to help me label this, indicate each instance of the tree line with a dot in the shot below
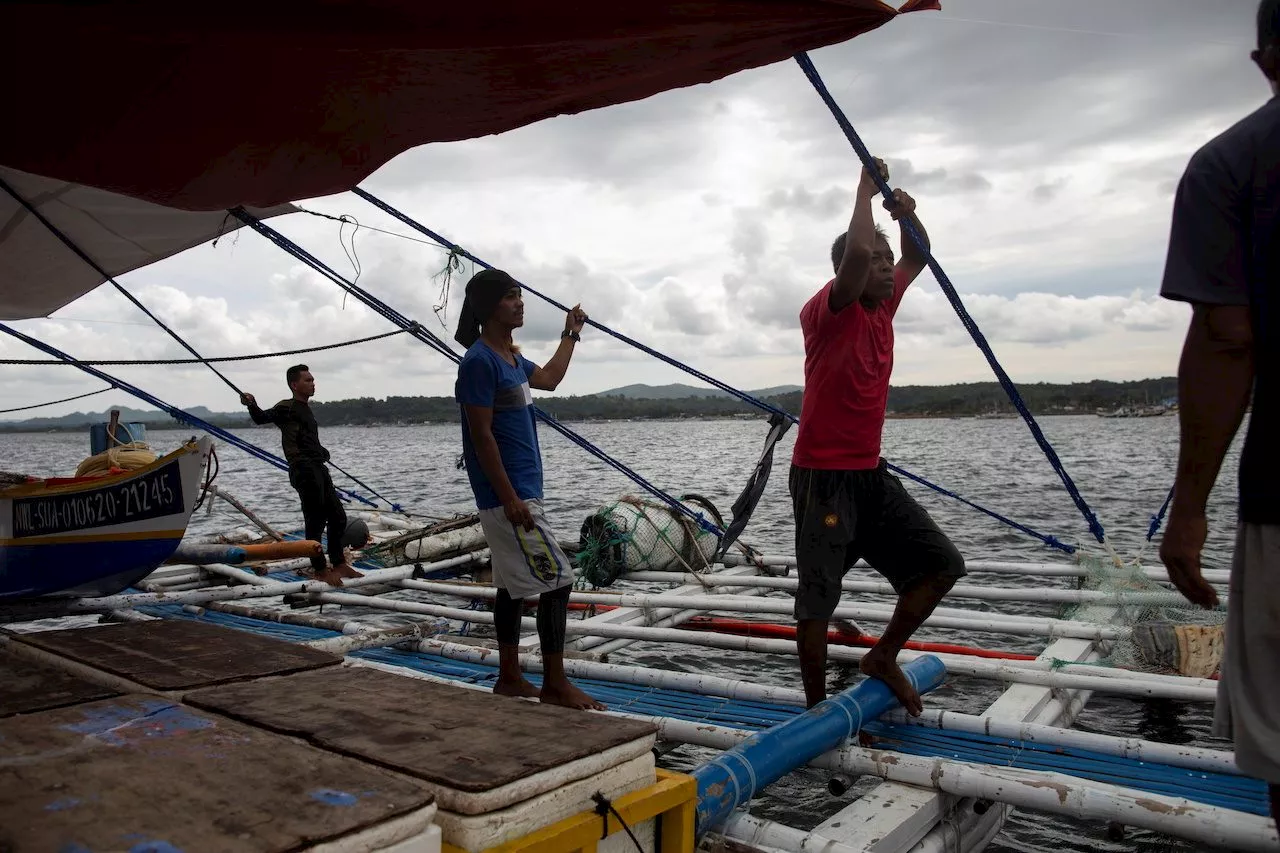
(971, 399)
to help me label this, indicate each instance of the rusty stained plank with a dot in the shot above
(27, 686)
(144, 772)
(462, 739)
(178, 654)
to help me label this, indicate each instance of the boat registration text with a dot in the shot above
(155, 494)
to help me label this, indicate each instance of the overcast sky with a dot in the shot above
(1041, 139)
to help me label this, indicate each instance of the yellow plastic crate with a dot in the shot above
(672, 800)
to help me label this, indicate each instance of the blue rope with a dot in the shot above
(697, 517)
(1158, 518)
(172, 411)
(70, 244)
(395, 507)
(426, 336)
(948, 289)
(645, 348)
(1051, 541)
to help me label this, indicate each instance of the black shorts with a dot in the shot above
(842, 516)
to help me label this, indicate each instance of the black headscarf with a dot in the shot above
(484, 292)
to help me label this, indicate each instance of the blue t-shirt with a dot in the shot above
(486, 379)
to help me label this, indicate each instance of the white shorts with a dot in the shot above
(1248, 708)
(525, 562)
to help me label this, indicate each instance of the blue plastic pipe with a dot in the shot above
(740, 773)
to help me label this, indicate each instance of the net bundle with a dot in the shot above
(635, 535)
(1169, 635)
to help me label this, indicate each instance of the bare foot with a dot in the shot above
(329, 576)
(522, 688)
(887, 670)
(564, 693)
(342, 570)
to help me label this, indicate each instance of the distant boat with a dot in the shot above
(90, 536)
(1136, 412)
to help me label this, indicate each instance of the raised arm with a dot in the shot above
(859, 244)
(270, 416)
(549, 376)
(911, 261)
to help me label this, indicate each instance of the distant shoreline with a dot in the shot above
(170, 427)
(682, 402)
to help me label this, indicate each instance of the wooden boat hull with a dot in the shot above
(98, 536)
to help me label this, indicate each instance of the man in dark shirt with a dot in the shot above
(1224, 259)
(300, 437)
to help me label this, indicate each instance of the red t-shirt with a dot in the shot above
(848, 358)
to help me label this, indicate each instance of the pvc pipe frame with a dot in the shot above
(743, 770)
(998, 567)
(255, 588)
(1188, 757)
(1121, 683)
(1036, 790)
(1024, 626)
(956, 663)
(982, 593)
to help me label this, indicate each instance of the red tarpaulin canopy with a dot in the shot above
(208, 107)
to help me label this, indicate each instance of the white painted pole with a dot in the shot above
(662, 617)
(354, 642)
(983, 593)
(219, 492)
(758, 832)
(266, 589)
(1168, 687)
(999, 567)
(973, 622)
(707, 685)
(1174, 755)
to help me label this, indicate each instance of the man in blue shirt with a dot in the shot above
(1224, 259)
(504, 464)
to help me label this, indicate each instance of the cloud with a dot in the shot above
(1042, 142)
(1048, 191)
(937, 181)
(825, 204)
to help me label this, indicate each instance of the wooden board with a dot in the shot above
(178, 654)
(145, 773)
(463, 739)
(27, 686)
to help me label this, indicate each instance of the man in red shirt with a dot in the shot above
(847, 505)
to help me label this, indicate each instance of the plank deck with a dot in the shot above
(178, 654)
(141, 772)
(457, 738)
(27, 686)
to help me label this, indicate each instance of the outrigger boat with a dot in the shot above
(209, 681)
(89, 536)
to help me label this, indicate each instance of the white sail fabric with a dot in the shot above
(39, 274)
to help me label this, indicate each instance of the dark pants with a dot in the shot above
(844, 515)
(320, 507)
(553, 617)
